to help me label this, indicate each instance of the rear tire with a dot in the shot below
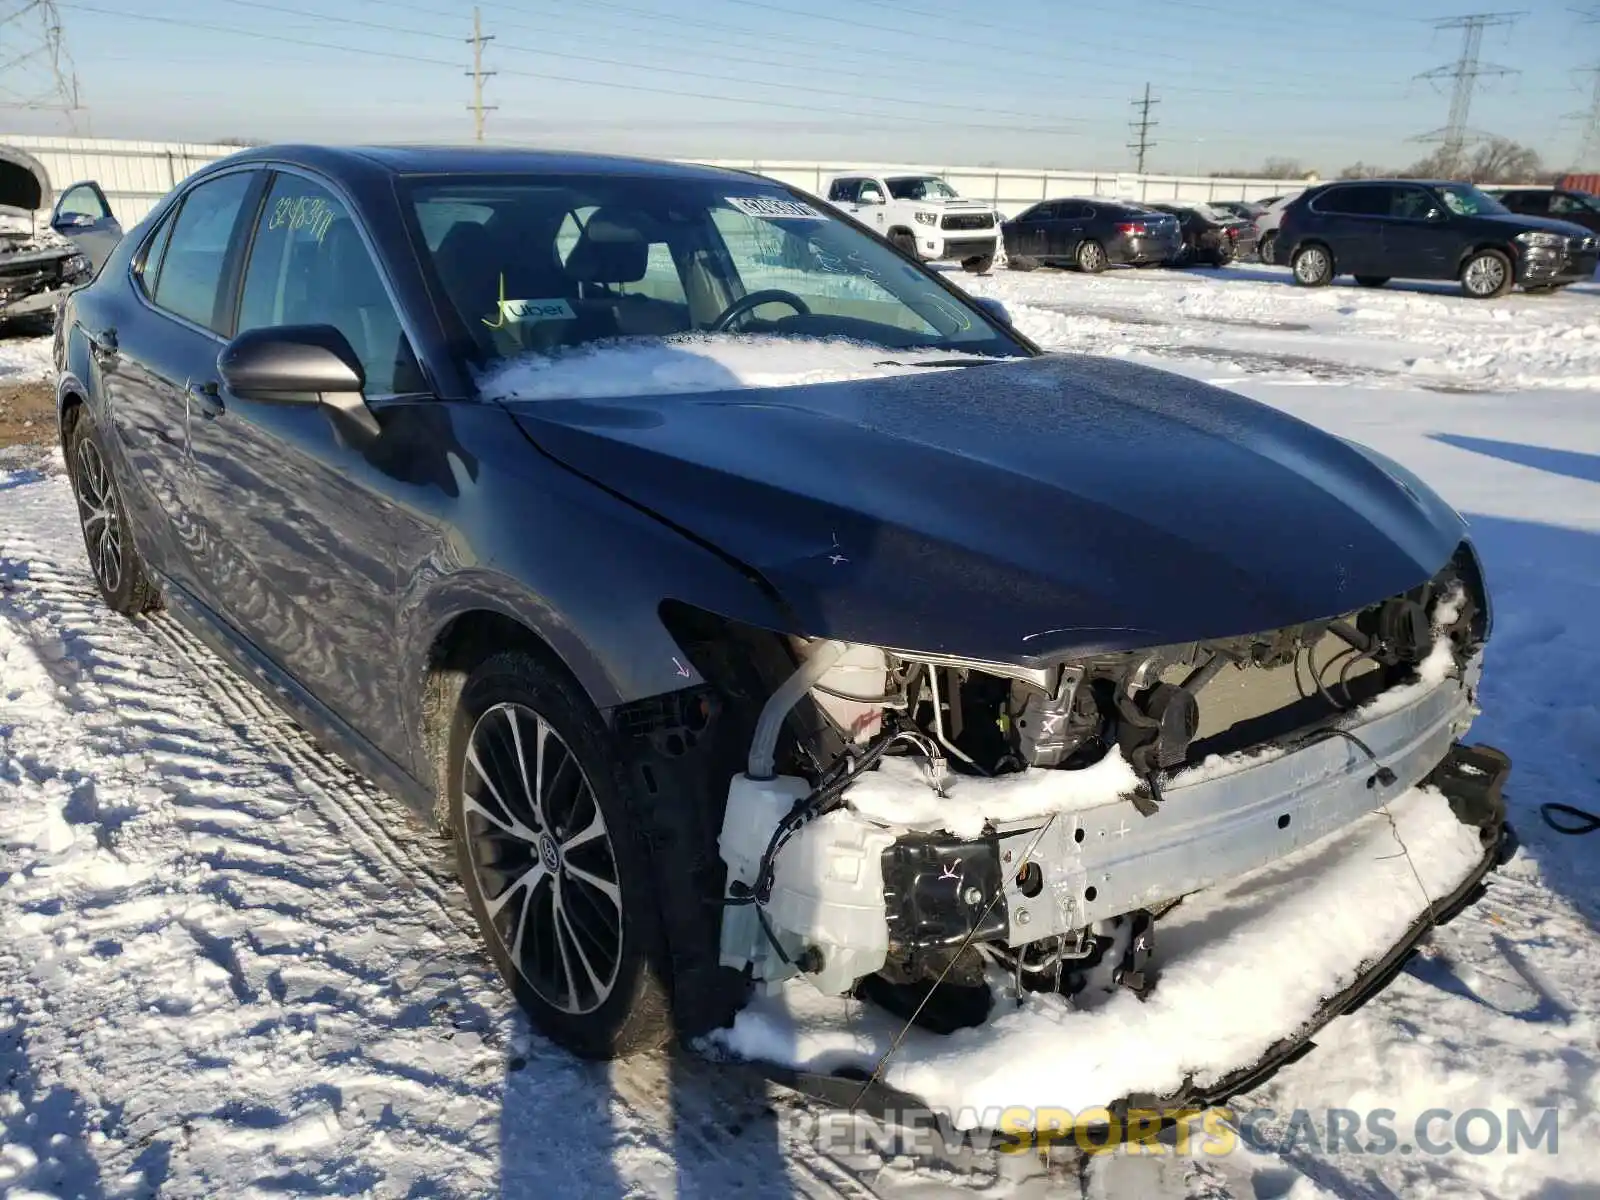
(125, 584)
(1091, 257)
(981, 265)
(1312, 265)
(1265, 248)
(1372, 281)
(550, 851)
(1487, 275)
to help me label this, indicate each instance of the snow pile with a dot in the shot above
(1242, 965)
(25, 359)
(703, 363)
(901, 793)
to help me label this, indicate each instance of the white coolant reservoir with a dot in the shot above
(755, 806)
(851, 693)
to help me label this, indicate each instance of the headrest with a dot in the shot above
(611, 249)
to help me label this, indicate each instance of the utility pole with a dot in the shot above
(1142, 127)
(36, 71)
(1466, 71)
(478, 74)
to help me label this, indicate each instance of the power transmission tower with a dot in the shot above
(1466, 71)
(1589, 139)
(1142, 127)
(36, 71)
(478, 107)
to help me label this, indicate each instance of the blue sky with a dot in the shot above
(1027, 82)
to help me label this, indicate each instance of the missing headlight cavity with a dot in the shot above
(907, 821)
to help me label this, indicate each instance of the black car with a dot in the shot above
(1379, 230)
(1090, 235)
(1210, 238)
(1562, 204)
(457, 455)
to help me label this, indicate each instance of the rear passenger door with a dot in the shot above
(304, 525)
(1064, 230)
(148, 364)
(1352, 217)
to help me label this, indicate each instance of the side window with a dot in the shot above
(844, 190)
(83, 201)
(192, 266)
(1365, 201)
(148, 267)
(1087, 212)
(1043, 212)
(571, 227)
(1410, 204)
(1558, 204)
(309, 266)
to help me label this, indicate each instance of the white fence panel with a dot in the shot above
(134, 175)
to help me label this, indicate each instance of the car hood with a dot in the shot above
(1018, 510)
(1523, 223)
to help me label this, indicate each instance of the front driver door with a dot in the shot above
(83, 217)
(305, 519)
(1420, 239)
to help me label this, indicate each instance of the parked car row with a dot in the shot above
(1093, 234)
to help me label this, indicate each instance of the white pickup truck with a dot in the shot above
(922, 215)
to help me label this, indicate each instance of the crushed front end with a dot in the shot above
(950, 833)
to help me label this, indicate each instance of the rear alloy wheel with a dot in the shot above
(1264, 250)
(1372, 280)
(553, 864)
(1312, 266)
(124, 583)
(1487, 274)
(1091, 258)
(980, 265)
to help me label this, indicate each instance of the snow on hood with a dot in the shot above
(1229, 988)
(702, 363)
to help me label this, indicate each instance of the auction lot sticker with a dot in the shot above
(771, 206)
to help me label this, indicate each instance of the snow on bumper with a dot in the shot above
(1219, 822)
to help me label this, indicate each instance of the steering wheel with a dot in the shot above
(745, 304)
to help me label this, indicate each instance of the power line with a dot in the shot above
(476, 41)
(1589, 137)
(36, 69)
(1466, 71)
(648, 89)
(1142, 127)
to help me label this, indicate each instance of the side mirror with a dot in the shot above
(873, 198)
(995, 309)
(1435, 214)
(299, 364)
(72, 220)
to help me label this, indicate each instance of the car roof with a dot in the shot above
(480, 160)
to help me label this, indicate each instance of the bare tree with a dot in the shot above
(1493, 160)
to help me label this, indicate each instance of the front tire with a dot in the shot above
(1487, 275)
(119, 572)
(1091, 257)
(1372, 281)
(1312, 266)
(904, 242)
(978, 266)
(549, 849)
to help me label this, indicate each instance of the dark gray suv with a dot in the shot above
(1378, 230)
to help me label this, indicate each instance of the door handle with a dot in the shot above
(207, 398)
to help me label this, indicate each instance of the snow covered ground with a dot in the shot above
(227, 967)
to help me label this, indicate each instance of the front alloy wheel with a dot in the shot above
(551, 851)
(1487, 275)
(542, 859)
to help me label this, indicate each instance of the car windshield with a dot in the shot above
(921, 187)
(541, 264)
(1467, 201)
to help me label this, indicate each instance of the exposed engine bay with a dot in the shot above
(36, 263)
(1093, 794)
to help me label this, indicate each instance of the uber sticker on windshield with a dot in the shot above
(537, 310)
(771, 206)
